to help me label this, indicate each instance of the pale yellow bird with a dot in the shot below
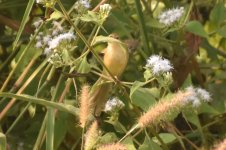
(115, 59)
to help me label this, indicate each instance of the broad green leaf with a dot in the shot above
(222, 31)
(2, 141)
(187, 82)
(129, 143)
(192, 117)
(24, 21)
(147, 74)
(108, 138)
(91, 17)
(153, 23)
(60, 129)
(136, 85)
(196, 28)
(218, 14)
(149, 145)
(166, 138)
(206, 108)
(118, 126)
(84, 67)
(143, 98)
(56, 15)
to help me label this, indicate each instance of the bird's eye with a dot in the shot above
(114, 35)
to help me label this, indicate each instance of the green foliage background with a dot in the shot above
(195, 45)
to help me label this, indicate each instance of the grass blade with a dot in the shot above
(62, 107)
(24, 21)
(2, 141)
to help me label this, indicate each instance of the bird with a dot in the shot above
(115, 58)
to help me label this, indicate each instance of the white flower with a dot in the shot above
(84, 3)
(170, 16)
(197, 96)
(46, 39)
(105, 9)
(47, 51)
(56, 41)
(113, 104)
(39, 1)
(204, 95)
(158, 64)
(37, 23)
(57, 25)
(38, 44)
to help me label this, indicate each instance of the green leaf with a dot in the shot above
(90, 16)
(187, 82)
(218, 14)
(149, 145)
(166, 138)
(142, 97)
(129, 143)
(206, 108)
(192, 117)
(60, 129)
(196, 28)
(23, 22)
(2, 141)
(60, 106)
(222, 31)
(108, 138)
(56, 15)
(84, 67)
(147, 74)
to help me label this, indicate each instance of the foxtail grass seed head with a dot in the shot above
(85, 106)
(158, 65)
(114, 146)
(171, 16)
(113, 104)
(91, 136)
(220, 146)
(162, 110)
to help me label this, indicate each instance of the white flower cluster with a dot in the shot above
(170, 16)
(37, 23)
(52, 39)
(113, 104)
(197, 96)
(105, 9)
(84, 3)
(40, 1)
(56, 41)
(158, 64)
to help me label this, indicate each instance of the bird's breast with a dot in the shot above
(116, 58)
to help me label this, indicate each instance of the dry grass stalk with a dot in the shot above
(91, 136)
(113, 146)
(163, 109)
(85, 106)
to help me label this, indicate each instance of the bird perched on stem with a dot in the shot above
(115, 59)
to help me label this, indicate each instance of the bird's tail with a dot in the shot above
(99, 97)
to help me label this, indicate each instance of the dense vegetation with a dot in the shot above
(112, 74)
